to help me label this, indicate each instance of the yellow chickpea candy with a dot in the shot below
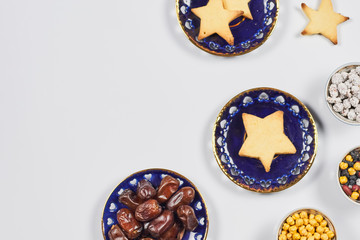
(324, 237)
(311, 216)
(302, 227)
(343, 179)
(293, 229)
(343, 165)
(310, 229)
(317, 236)
(309, 235)
(303, 215)
(357, 166)
(326, 229)
(303, 232)
(283, 232)
(306, 221)
(289, 236)
(299, 222)
(319, 218)
(290, 221)
(330, 234)
(351, 171)
(320, 229)
(282, 237)
(313, 222)
(296, 216)
(296, 236)
(323, 223)
(285, 226)
(349, 158)
(355, 195)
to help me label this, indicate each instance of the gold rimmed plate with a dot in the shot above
(154, 176)
(248, 34)
(230, 134)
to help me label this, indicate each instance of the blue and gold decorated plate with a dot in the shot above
(155, 176)
(246, 123)
(248, 34)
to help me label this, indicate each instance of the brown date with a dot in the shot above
(128, 198)
(182, 197)
(168, 186)
(115, 233)
(161, 224)
(187, 216)
(172, 232)
(145, 190)
(128, 223)
(148, 210)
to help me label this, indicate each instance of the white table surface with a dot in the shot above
(92, 91)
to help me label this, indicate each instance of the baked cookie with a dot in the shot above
(323, 21)
(241, 5)
(265, 138)
(215, 19)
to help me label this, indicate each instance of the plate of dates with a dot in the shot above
(155, 204)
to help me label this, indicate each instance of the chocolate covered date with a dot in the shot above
(148, 210)
(168, 186)
(128, 223)
(182, 197)
(161, 224)
(130, 199)
(115, 233)
(145, 190)
(187, 216)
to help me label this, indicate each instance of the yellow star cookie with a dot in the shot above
(323, 21)
(265, 138)
(241, 5)
(216, 19)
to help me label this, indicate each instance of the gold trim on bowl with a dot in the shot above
(309, 211)
(266, 37)
(164, 170)
(281, 187)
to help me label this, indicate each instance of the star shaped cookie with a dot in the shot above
(323, 21)
(215, 19)
(265, 138)
(240, 5)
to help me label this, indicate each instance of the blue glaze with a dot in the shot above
(248, 34)
(249, 171)
(155, 178)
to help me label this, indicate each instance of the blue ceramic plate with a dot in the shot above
(229, 135)
(248, 34)
(154, 176)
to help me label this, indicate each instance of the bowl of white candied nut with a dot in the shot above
(343, 93)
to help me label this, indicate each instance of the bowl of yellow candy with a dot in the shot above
(306, 224)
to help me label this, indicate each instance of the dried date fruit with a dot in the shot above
(182, 197)
(172, 232)
(187, 216)
(128, 223)
(145, 190)
(161, 224)
(115, 233)
(129, 199)
(148, 210)
(167, 188)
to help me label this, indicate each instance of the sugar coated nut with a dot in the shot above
(346, 190)
(351, 171)
(290, 221)
(343, 179)
(349, 158)
(355, 195)
(357, 166)
(343, 165)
